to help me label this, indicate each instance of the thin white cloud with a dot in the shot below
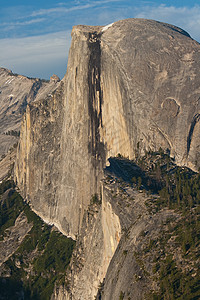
(23, 23)
(31, 56)
(100, 2)
(44, 12)
(63, 9)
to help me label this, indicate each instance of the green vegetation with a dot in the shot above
(175, 284)
(42, 257)
(95, 199)
(179, 189)
(13, 133)
(11, 206)
(121, 296)
(176, 188)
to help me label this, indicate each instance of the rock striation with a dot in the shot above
(38, 166)
(104, 224)
(16, 91)
(130, 87)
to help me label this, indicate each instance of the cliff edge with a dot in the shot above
(16, 91)
(130, 87)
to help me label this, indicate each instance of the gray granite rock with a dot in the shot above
(130, 87)
(16, 91)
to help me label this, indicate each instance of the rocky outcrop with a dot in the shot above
(7, 164)
(54, 78)
(14, 237)
(108, 261)
(130, 242)
(130, 87)
(16, 91)
(38, 159)
(128, 275)
(105, 222)
(158, 87)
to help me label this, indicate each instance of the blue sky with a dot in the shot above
(35, 35)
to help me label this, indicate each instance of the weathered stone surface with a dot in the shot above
(103, 226)
(14, 237)
(16, 91)
(153, 71)
(37, 170)
(113, 233)
(130, 87)
(7, 142)
(126, 273)
(7, 164)
(54, 78)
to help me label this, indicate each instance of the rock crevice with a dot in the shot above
(127, 90)
(195, 119)
(95, 99)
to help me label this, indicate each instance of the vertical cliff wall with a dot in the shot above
(37, 164)
(83, 153)
(131, 86)
(96, 244)
(103, 225)
(16, 91)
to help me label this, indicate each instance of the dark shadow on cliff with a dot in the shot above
(124, 168)
(132, 173)
(13, 289)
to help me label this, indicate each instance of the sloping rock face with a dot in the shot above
(7, 164)
(130, 87)
(126, 276)
(151, 70)
(15, 236)
(16, 91)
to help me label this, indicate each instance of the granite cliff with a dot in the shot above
(16, 91)
(140, 239)
(132, 243)
(130, 87)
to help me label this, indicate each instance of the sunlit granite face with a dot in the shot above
(130, 87)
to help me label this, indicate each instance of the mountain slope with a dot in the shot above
(33, 255)
(140, 240)
(158, 256)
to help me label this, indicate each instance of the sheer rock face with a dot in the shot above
(102, 228)
(16, 91)
(130, 87)
(37, 167)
